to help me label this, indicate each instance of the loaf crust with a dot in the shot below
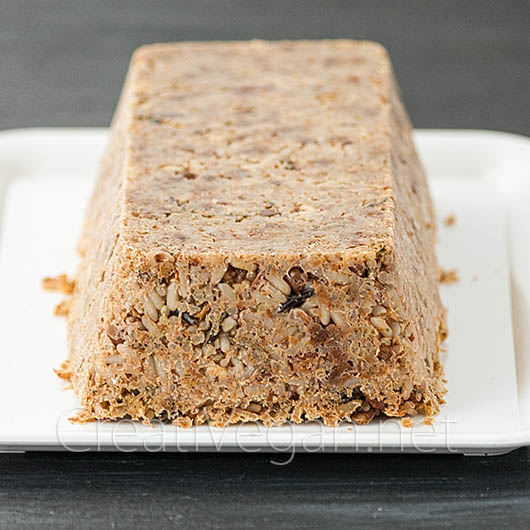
(259, 244)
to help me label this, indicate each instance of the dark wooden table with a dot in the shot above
(460, 64)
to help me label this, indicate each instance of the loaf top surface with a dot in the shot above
(258, 148)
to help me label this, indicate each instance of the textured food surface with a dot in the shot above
(260, 243)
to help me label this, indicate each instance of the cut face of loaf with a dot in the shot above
(260, 243)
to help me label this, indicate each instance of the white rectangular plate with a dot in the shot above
(46, 176)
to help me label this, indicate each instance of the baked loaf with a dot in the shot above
(259, 244)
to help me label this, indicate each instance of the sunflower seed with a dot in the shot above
(380, 324)
(227, 292)
(325, 315)
(224, 343)
(228, 324)
(378, 310)
(157, 300)
(171, 297)
(280, 284)
(150, 309)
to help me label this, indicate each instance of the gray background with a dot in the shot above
(460, 64)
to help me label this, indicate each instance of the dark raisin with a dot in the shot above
(234, 275)
(385, 352)
(114, 334)
(416, 396)
(365, 407)
(297, 279)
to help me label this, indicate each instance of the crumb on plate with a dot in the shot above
(59, 284)
(450, 220)
(450, 276)
(64, 371)
(62, 309)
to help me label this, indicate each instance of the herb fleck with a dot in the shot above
(188, 319)
(296, 299)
